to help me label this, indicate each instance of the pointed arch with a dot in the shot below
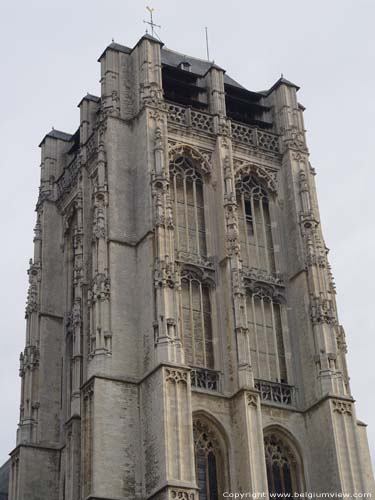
(211, 456)
(284, 464)
(244, 168)
(201, 158)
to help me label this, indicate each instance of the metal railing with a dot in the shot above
(203, 378)
(276, 392)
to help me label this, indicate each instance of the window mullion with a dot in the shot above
(255, 230)
(263, 224)
(196, 217)
(245, 229)
(265, 339)
(203, 326)
(192, 322)
(256, 335)
(186, 216)
(275, 343)
(177, 232)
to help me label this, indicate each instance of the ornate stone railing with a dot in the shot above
(188, 117)
(202, 378)
(275, 392)
(243, 133)
(256, 137)
(246, 134)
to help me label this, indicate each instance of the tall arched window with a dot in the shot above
(196, 327)
(209, 461)
(284, 471)
(254, 225)
(188, 207)
(266, 336)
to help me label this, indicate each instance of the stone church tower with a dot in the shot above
(182, 335)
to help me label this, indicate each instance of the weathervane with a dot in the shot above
(151, 22)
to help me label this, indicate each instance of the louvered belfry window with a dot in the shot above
(196, 322)
(186, 188)
(254, 225)
(266, 336)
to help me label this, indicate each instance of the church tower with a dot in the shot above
(182, 336)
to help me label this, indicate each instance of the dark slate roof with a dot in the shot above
(282, 81)
(116, 46)
(89, 97)
(198, 66)
(57, 134)
(147, 36)
(4, 480)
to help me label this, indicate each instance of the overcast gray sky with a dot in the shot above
(327, 47)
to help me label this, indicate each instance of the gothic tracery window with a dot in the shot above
(266, 336)
(209, 461)
(254, 224)
(196, 327)
(188, 207)
(283, 467)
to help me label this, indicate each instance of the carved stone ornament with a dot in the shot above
(175, 375)
(100, 289)
(342, 407)
(99, 226)
(34, 273)
(165, 275)
(252, 400)
(29, 359)
(322, 310)
(263, 276)
(76, 313)
(295, 139)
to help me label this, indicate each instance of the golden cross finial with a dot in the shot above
(151, 22)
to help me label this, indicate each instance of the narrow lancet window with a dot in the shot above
(209, 461)
(254, 225)
(188, 208)
(196, 322)
(266, 337)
